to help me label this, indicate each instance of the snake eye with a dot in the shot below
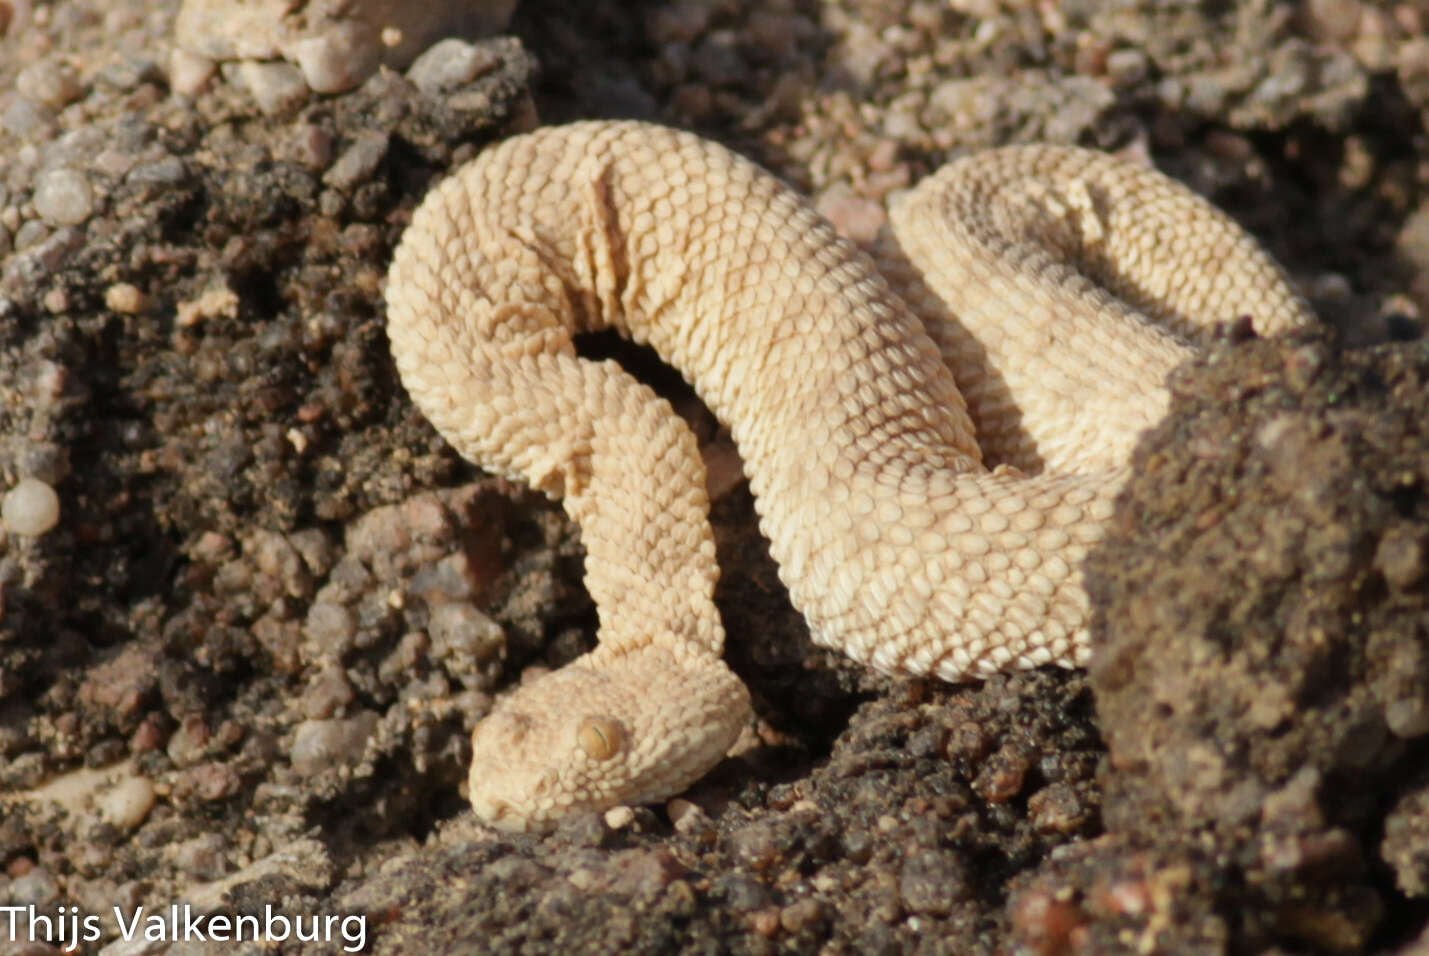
(600, 737)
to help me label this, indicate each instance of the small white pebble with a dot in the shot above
(63, 197)
(620, 817)
(128, 803)
(125, 297)
(31, 507)
(685, 815)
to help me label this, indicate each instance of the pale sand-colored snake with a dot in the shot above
(1059, 285)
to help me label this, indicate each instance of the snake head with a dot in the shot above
(610, 728)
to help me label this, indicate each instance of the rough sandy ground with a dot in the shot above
(248, 657)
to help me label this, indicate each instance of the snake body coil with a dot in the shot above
(897, 544)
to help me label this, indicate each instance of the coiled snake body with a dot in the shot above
(1060, 286)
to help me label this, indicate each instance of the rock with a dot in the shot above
(337, 44)
(277, 87)
(449, 64)
(125, 297)
(1260, 669)
(359, 161)
(127, 803)
(855, 217)
(932, 881)
(30, 508)
(202, 857)
(339, 58)
(331, 627)
(327, 694)
(25, 119)
(63, 197)
(35, 888)
(320, 745)
(464, 639)
(190, 72)
(51, 82)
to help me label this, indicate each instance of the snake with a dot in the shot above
(934, 434)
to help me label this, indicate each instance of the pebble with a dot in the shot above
(1407, 717)
(854, 217)
(804, 914)
(215, 302)
(331, 627)
(1044, 923)
(716, 59)
(328, 693)
(1002, 777)
(127, 804)
(63, 197)
(359, 161)
(111, 162)
(190, 72)
(30, 233)
(30, 508)
(765, 922)
(640, 873)
(401, 536)
(25, 119)
(687, 816)
(35, 888)
(316, 549)
(202, 857)
(276, 87)
(756, 846)
(450, 579)
(129, 72)
(931, 881)
(169, 171)
(322, 744)
(187, 743)
(449, 64)
(1402, 557)
(277, 560)
(50, 82)
(678, 22)
(464, 638)
(1333, 21)
(619, 817)
(1126, 67)
(311, 145)
(1056, 809)
(340, 58)
(207, 782)
(124, 297)
(42, 257)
